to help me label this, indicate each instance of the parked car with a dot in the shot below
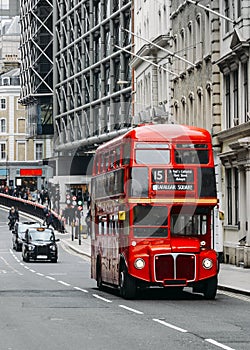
(40, 243)
(19, 231)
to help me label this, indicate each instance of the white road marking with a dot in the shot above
(132, 310)
(11, 267)
(170, 325)
(220, 345)
(50, 278)
(40, 274)
(64, 283)
(99, 297)
(81, 290)
(32, 271)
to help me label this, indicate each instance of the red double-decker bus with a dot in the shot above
(153, 190)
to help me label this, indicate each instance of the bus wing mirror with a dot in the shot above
(122, 215)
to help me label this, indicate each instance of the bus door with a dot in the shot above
(114, 247)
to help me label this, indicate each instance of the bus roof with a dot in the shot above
(162, 132)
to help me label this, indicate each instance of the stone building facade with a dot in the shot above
(21, 157)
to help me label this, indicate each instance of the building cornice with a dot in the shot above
(242, 130)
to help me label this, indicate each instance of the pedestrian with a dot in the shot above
(49, 218)
(45, 213)
(88, 221)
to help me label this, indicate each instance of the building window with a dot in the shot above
(239, 8)
(198, 38)
(39, 151)
(3, 151)
(190, 43)
(21, 125)
(207, 34)
(236, 196)
(236, 97)
(232, 180)
(227, 100)
(3, 103)
(227, 14)
(3, 125)
(21, 153)
(4, 5)
(245, 92)
(229, 196)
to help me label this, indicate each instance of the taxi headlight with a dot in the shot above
(53, 248)
(31, 247)
(207, 263)
(139, 263)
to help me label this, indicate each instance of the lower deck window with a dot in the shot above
(150, 221)
(188, 223)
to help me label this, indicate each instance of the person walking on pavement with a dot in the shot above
(49, 218)
(88, 220)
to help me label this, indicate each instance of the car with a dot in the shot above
(40, 243)
(19, 231)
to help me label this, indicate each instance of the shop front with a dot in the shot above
(31, 178)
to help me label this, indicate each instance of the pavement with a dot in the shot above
(231, 278)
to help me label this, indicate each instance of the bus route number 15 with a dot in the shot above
(158, 175)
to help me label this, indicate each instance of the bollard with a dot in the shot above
(79, 238)
(72, 230)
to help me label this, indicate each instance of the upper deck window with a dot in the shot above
(152, 153)
(191, 154)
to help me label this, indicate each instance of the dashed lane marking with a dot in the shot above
(81, 290)
(64, 283)
(101, 298)
(170, 325)
(132, 310)
(220, 345)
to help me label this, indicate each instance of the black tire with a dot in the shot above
(54, 260)
(210, 288)
(127, 284)
(99, 275)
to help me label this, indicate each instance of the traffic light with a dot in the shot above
(79, 198)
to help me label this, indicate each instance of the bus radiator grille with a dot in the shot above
(175, 267)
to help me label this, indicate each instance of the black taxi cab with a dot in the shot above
(39, 243)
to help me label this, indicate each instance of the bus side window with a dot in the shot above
(106, 161)
(117, 156)
(177, 157)
(112, 159)
(101, 163)
(126, 153)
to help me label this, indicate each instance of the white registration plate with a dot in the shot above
(42, 257)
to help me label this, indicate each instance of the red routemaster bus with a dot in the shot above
(152, 194)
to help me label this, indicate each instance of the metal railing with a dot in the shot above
(31, 208)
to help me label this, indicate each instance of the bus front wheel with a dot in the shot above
(127, 284)
(210, 288)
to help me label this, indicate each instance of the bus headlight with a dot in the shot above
(207, 263)
(139, 263)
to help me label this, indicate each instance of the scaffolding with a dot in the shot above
(36, 46)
